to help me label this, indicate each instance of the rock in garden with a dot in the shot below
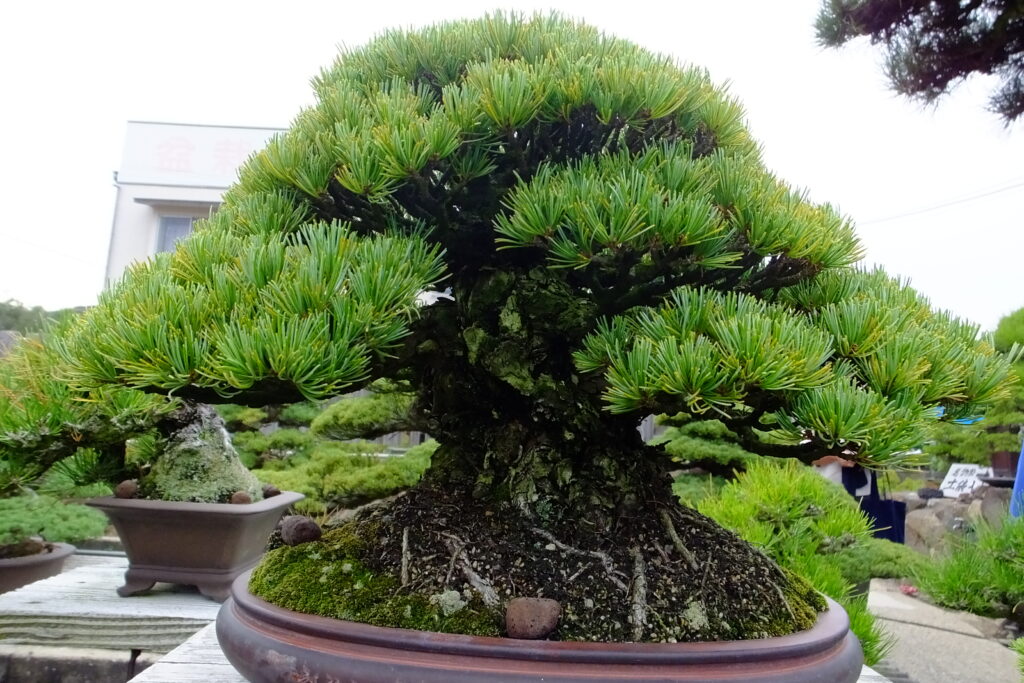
(240, 498)
(296, 529)
(928, 492)
(129, 488)
(269, 491)
(531, 618)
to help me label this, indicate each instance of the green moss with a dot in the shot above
(800, 594)
(328, 578)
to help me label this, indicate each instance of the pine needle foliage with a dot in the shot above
(52, 436)
(688, 277)
(1002, 428)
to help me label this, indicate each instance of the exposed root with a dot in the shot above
(606, 560)
(404, 574)
(638, 597)
(782, 597)
(666, 519)
(479, 584)
(456, 548)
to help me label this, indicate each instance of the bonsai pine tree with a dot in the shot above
(546, 233)
(932, 46)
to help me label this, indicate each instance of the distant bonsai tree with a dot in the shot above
(602, 242)
(1003, 426)
(932, 46)
(71, 442)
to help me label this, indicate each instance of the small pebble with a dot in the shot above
(240, 498)
(129, 488)
(531, 618)
(269, 491)
(296, 530)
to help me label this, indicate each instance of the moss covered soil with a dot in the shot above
(450, 547)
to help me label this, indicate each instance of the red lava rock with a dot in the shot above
(269, 491)
(531, 618)
(296, 530)
(240, 498)
(129, 488)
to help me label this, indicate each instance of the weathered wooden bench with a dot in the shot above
(74, 624)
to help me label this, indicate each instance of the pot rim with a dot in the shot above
(283, 499)
(58, 552)
(831, 627)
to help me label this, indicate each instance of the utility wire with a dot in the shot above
(962, 200)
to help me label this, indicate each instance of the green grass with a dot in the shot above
(1018, 647)
(984, 576)
(810, 526)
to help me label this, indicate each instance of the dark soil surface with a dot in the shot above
(635, 582)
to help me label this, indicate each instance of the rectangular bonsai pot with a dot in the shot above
(200, 544)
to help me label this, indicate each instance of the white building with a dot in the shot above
(171, 175)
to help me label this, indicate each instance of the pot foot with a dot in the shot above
(133, 586)
(218, 592)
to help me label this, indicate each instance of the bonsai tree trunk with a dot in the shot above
(536, 491)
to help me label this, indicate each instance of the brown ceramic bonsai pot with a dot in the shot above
(199, 544)
(268, 644)
(16, 572)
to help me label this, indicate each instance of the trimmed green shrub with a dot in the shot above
(364, 417)
(333, 476)
(241, 418)
(871, 558)
(300, 414)
(705, 443)
(1009, 331)
(804, 522)
(32, 515)
(985, 575)
(255, 449)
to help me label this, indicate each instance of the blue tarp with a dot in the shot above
(1017, 500)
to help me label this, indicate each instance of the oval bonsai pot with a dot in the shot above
(268, 644)
(198, 544)
(16, 572)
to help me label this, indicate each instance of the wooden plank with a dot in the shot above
(81, 608)
(199, 659)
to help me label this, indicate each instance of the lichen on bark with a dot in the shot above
(196, 462)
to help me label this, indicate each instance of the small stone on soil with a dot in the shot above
(269, 491)
(129, 488)
(240, 498)
(296, 530)
(531, 618)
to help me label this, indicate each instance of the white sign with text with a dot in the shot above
(963, 478)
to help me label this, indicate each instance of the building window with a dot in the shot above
(172, 229)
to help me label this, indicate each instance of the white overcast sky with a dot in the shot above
(73, 73)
